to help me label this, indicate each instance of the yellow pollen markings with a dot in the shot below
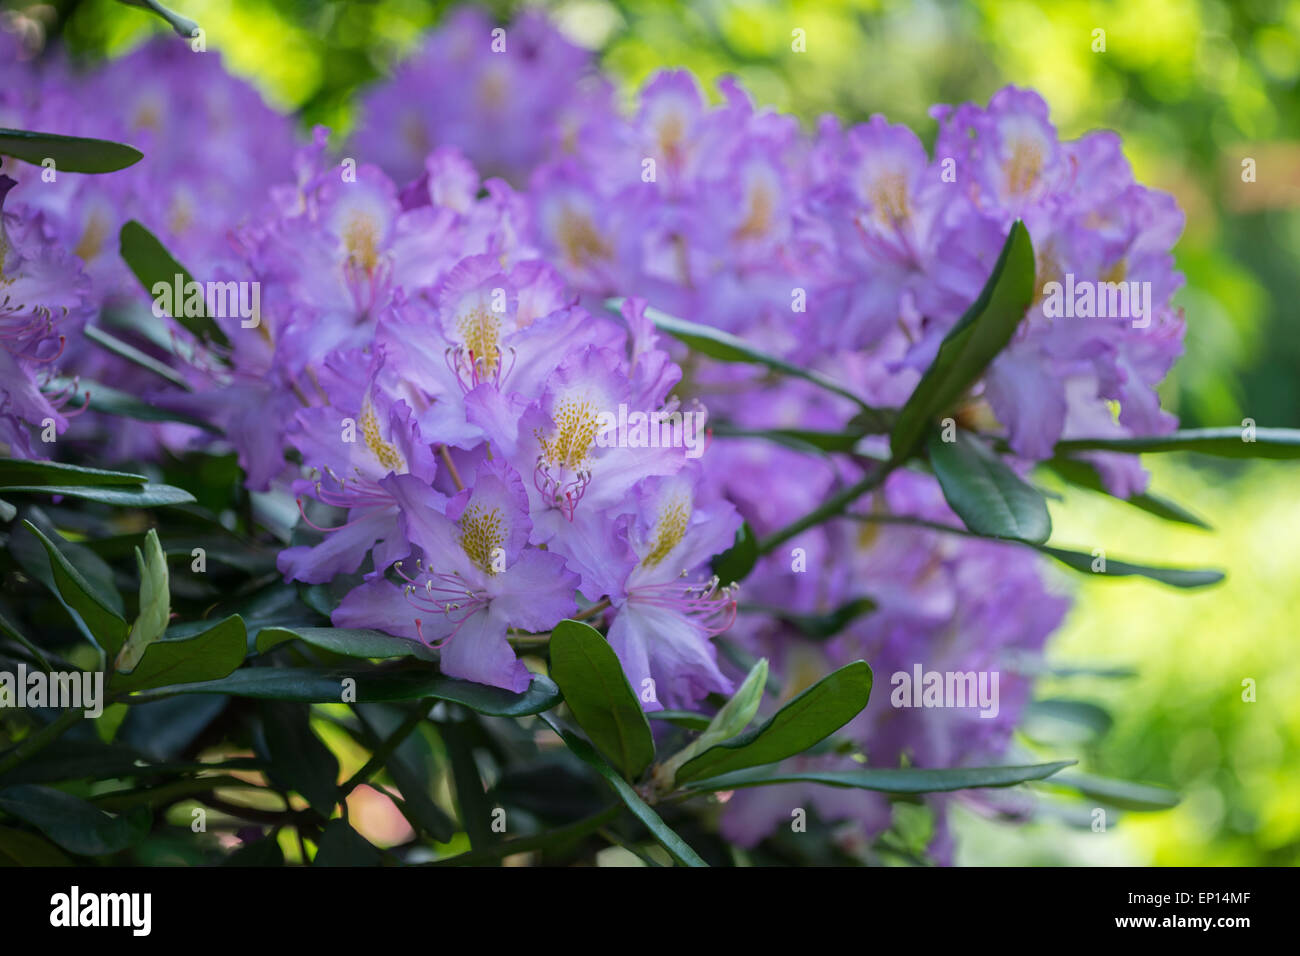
(888, 195)
(576, 425)
(669, 530)
(1024, 166)
(761, 208)
(92, 239)
(1115, 273)
(480, 331)
(579, 240)
(361, 238)
(481, 534)
(671, 132)
(385, 452)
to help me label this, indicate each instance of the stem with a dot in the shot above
(562, 836)
(831, 508)
(591, 611)
(451, 467)
(385, 750)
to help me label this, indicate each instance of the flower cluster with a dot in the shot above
(479, 449)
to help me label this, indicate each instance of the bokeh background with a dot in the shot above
(1195, 87)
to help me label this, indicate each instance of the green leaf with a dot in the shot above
(111, 401)
(418, 806)
(71, 154)
(211, 655)
(20, 848)
(263, 852)
(726, 347)
(298, 759)
(132, 354)
(340, 845)
(34, 473)
(737, 561)
(374, 685)
(800, 439)
(1227, 442)
(349, 642)
(143, 496)
(7, 511)
(1176, 577)
(986, 494)
(1120, 794)
(108, 628)
(677, 848)
(1065, 722)
(72, 823)
(596, 690)
(1084, 475)
(732, 718)
(818, 626)
(152, 264)
(155, 605)
(803, 722)
(981, 333)
(897, 780)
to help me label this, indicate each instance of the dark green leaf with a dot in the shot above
(374, 685)
(108, 627)
(806, 720)
(32, 473)
(351, 643)
(71, 154)
(898, 780)
(596, 690)
(210, 655)
(111, 401)
(726, 347)
(1176, 577)
(1064, 722)
(72, 823)
(1223, 442)
(1119, 793)
(20, 848)
(986, 494)
(152, 264)
(263, 852)
(800, 439)
(340, 845)
(298, 759)
(142, 496)
(1083, 474)
(677, 848)
(818, 626)
(981, 333)
(418, 805)
(737, 561)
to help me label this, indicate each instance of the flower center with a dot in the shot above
(480, 331)
(670, 527)
(385, 452)
(1024, 167)
(361, 239)
(482, 534)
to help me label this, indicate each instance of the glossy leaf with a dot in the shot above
(36, 473)
(591, 678)
(375, 685)
(737, 561)
(77, 826)
(890, 780)
(71, 154)
(982, 332)
(806, 720)
(990, 498)
(151, 263)
(107, 626)
(349, 642)
(208, 656)
(1227, 442)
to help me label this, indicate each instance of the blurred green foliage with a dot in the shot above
(1194, 87)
